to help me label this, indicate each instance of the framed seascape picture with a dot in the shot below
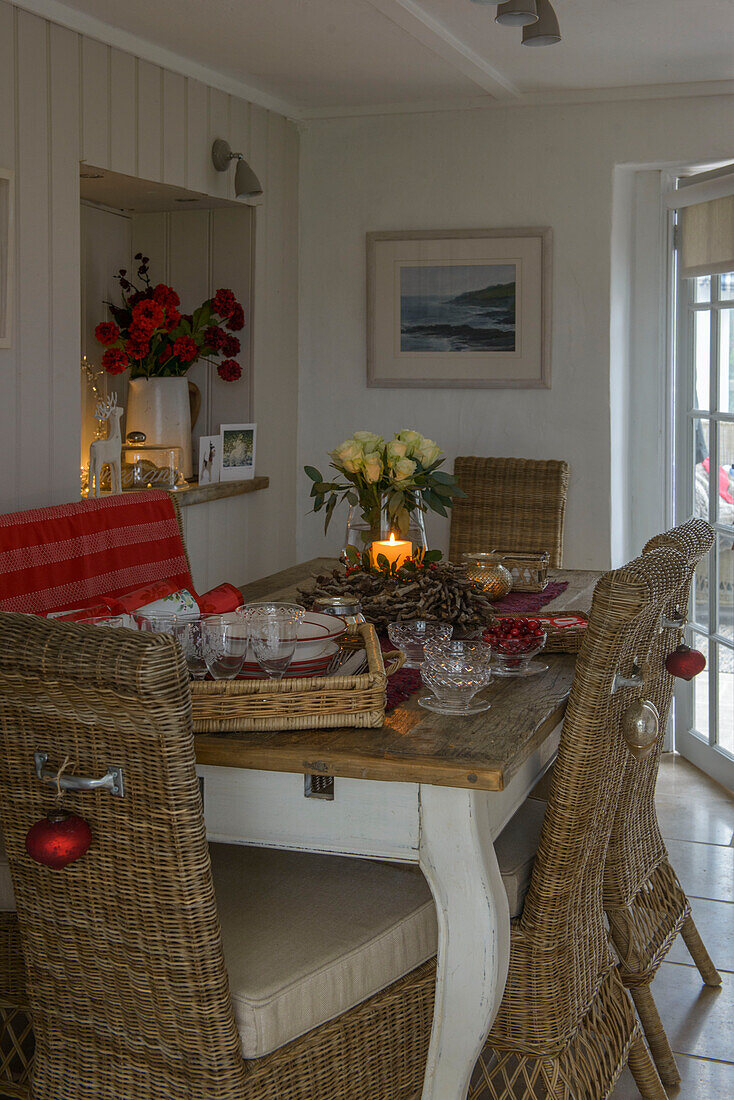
(459, 308)
(210, 447)
(237, 452)
(6, 257)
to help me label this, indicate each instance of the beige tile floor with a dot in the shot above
(697, 820)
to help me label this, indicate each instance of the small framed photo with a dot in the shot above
(237, 451)
(210, 450)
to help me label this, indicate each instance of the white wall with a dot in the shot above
(491, 168)
(64, 99)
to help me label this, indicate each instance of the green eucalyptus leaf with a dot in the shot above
(329, 512)
(313, 473)
(434, 502)
(432, 555)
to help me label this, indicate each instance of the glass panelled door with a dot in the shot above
(705, 487)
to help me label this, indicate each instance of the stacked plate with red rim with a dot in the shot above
(317, 666)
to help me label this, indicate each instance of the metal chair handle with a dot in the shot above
(113, 781)
(635, 679)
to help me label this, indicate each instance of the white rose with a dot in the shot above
(428, 452)
(348, 455)
(369, 441)
(412, 440)
(372, 467)
(404, 469)
(395, 450)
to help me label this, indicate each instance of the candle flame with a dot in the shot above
(392, 538)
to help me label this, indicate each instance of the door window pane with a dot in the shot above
(701, 689)
(702, 289)
(727, 287)
(700, 593)
(701, 436)
(726, 360)
(725, 495)
(702, 358)
(726, 586)
(725, 701)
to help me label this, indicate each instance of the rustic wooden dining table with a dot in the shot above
(425, 788)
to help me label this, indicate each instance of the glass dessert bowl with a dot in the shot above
(454, 682)
(514, 644)
(411, 636)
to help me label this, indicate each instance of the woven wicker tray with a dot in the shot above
(567, 640)
(318, 702)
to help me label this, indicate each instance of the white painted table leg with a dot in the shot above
(458, 859)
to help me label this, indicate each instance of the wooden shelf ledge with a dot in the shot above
(193, 493)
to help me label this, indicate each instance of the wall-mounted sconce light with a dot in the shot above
(246, 183)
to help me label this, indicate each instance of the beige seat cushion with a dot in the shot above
(7, 894)
(516, 847)
(307, 937)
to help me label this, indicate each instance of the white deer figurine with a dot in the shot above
(107, 450)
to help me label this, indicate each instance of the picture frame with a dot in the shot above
(7, 250)
(237, 461)
(210, 450)
(459, 309)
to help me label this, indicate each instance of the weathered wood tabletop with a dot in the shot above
(481, 752)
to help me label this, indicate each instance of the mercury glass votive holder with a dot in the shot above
(413, 635)
(488, 571)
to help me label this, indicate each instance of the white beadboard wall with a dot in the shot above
(66, 99)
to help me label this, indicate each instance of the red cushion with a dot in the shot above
(69, 556)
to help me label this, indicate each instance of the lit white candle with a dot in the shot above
(395, 550)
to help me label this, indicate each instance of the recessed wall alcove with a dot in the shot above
(196, 243)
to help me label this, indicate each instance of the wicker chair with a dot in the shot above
(644, 900)
(511, 504)
(566, 1026)
(127, 983)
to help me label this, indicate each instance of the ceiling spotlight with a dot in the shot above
(517, 13)
(545, 32)
(246, 183)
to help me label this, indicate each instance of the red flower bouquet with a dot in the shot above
(154, 339)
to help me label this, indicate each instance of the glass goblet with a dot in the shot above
(273, 633)
(188, 632)
(224, 644)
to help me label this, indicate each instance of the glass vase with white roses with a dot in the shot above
(388, 486)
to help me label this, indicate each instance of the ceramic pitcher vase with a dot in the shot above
(160, 407)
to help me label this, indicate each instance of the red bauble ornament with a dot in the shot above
(58, 839)
(685, 663)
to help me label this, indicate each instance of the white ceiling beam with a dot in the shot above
(411, 17)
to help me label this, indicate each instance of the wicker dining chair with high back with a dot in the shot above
(646, 904)
(142, 984)
(566, 1026)
(516, 504)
